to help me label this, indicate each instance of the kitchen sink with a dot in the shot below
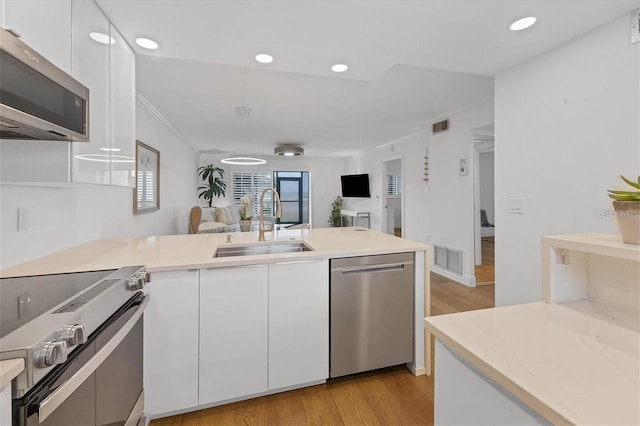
(261, 248)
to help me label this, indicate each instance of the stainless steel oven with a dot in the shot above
(87, 368)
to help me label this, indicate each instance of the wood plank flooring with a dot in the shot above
(485, 273)
(391, 396)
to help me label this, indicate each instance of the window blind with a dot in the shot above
(394, 185)
(252, 184)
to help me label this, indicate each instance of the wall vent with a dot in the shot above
(448, 259)
(440, 126)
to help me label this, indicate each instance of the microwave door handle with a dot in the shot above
(55, 399)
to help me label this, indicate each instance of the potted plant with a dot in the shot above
(627, 207)
(245, 214)
(336, 220)
(212, 185)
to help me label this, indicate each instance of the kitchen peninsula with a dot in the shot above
(573, 358)
(222, 329)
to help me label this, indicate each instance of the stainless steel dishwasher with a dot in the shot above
(372, 310)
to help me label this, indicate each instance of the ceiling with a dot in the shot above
(410, 61)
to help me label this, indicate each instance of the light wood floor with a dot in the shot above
(391, 396)
(485, 273)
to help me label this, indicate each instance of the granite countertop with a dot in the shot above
(567, 362)
(177, 252)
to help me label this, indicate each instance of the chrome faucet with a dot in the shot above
(261, 228)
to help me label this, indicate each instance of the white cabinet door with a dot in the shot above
(44, 25)
(298, 323)
(233, 332)
(90, 160)
(123, 111)
(171, 342)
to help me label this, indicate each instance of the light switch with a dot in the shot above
(24, 218)
(635, 26)
(516, 205)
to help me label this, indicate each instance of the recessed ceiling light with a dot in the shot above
(288, 154)
(102, 38)
(243, 161)
(263, 58)
(146, 43)
(339, 68)
(523, 23)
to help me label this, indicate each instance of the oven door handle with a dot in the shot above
(55, 399)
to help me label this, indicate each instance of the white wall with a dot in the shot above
(64, 217)
(486, 182)
(567, 123)
(443, 215)
(324, 181)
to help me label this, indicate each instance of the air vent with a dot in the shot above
(448, 259)
(440, 126)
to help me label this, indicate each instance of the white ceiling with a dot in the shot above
(409, 61)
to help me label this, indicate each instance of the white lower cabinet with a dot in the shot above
(298, 323)
(233, 332)
(230, 333)
(171, 342)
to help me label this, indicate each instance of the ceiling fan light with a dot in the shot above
(288, 150)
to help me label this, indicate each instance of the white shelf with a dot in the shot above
(602, 244)
(594, 268)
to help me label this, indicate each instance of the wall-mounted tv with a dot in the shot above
(355, 186)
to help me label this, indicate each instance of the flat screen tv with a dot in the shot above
(355, 186)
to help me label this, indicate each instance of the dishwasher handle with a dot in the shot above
(381, 267)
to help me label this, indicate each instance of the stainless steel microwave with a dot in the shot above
(37, 99)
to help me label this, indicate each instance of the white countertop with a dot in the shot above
(9, 369)
(175, 252)
(564, 361)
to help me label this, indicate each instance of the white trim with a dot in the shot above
(153, 111)
(468, 280)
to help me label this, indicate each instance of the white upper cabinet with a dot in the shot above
(43, 25)
(91, 160)
(123, 111)
(60, 30)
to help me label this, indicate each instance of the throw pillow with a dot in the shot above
(223, 214)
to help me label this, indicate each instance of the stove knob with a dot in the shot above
(74, 334)
(52, 353)
(135, 283)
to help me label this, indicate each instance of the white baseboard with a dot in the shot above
(420, 371)
(468, 280)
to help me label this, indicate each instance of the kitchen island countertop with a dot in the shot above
(565, 361)
(179, 252)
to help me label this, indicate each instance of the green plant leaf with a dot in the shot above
(630, 182)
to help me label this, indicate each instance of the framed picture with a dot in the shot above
(146, 196)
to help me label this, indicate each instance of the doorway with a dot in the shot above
(393, 197)
(293, 188)
(484, 211)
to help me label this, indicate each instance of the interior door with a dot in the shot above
(290, 191)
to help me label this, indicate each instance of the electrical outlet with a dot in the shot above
(516, 205)
(635, 26)
(24, 218)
